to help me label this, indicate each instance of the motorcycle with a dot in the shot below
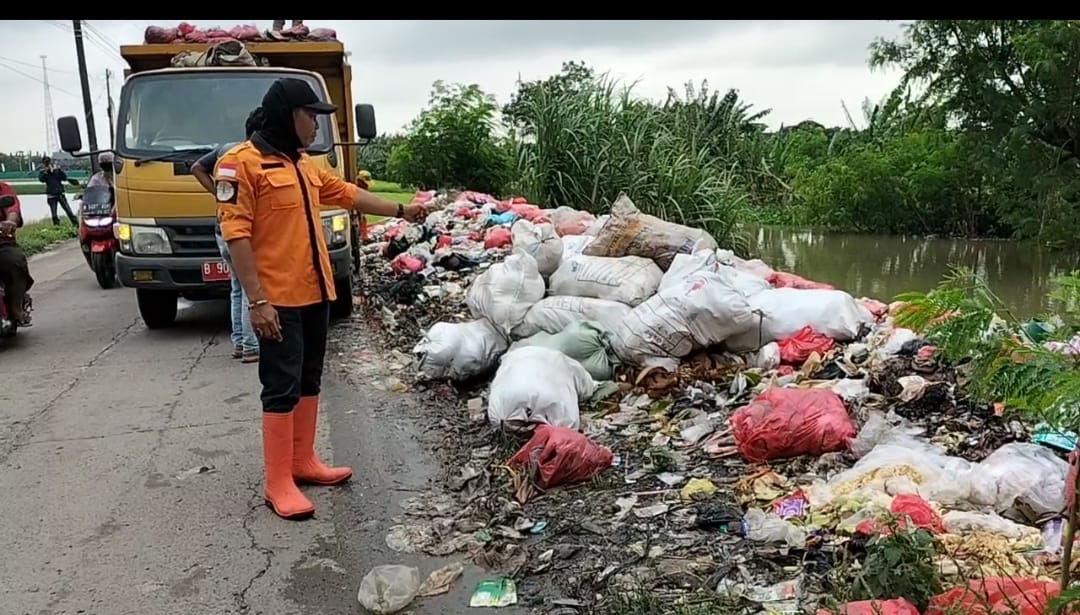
(8, 326)
(99, 244)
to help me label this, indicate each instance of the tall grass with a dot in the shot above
(682, 161)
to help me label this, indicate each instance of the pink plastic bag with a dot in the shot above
(796, 349)
(497, 237)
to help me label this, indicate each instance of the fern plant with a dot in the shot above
(971, 325)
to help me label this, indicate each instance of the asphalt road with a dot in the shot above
(130, 469)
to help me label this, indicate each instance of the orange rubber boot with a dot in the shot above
(306, 466)
(280, 490)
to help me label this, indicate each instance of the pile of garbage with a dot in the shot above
(736, 432)
(187, 33)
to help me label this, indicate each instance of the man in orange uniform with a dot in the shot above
(268, 192)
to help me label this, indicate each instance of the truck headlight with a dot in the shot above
(335, 229)
(142, 239)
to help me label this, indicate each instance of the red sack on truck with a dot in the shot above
(896, 606)
(782, 423)
(796, 349)
(562, 456)
(245, 33)
(779, 279)
(157, 35)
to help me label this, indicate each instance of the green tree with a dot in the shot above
(574, 77)
(453, 144)
(1013, 87)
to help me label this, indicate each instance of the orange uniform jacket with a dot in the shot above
(265, 197)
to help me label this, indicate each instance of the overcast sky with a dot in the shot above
(799, 69)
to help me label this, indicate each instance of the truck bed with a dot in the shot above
(314, 56)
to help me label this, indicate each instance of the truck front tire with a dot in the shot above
(157, 307)
(343, 305)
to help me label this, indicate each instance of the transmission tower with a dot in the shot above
(51, 144)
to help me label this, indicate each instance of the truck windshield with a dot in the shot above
(167, 113)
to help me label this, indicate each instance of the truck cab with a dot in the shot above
(166, 119)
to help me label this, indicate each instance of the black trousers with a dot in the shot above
(60, 199)
(292, 368)
(15, 274)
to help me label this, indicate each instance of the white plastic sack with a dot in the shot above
(459, 350)
(584, 341)
(538, 241)
(629, 279)
(629, 232)
(553, 314)
(573, 245)
(701, 310)
(534, 385)
(1022, 474)
(901, 465)
(504, 293)
(713, 261)
(787, 310)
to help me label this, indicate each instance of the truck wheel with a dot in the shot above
(157, 307)
(343, 306)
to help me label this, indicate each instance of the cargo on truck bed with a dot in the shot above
(187, 33)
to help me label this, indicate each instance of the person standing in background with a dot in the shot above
(245, 344)
(54, 177)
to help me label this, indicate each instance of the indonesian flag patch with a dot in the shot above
(226, 169)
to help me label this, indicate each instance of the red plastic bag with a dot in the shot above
(906, 506)
(577, 227)
(996, 595)
(798, 348)
(497, 237)
(157, 35)
(779, 279)
(245, 33)
(323, 34)
(562, 456)
(197, 36)
(406, 263)
(897, 606)
(876, 308)
(185, 28)
(783, 423)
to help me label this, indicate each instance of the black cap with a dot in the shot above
(290, 93)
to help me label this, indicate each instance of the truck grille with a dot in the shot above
(191, 237)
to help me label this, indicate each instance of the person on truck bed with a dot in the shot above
(279, 24)
(269, 192)
(245, 344)
(54, 177)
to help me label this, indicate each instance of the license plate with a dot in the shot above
(215, 271)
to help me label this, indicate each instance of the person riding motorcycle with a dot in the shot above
(104, 177)
(14, 269)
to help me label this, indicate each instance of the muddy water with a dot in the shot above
(882, 266)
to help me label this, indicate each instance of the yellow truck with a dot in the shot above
(168, 116)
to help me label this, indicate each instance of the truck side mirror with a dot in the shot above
(6, 201)
(70, 137)
(365, 122)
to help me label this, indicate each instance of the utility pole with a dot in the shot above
(88, 105)
(109, 106)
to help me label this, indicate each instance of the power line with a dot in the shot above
(33, 65)
(35, 78)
